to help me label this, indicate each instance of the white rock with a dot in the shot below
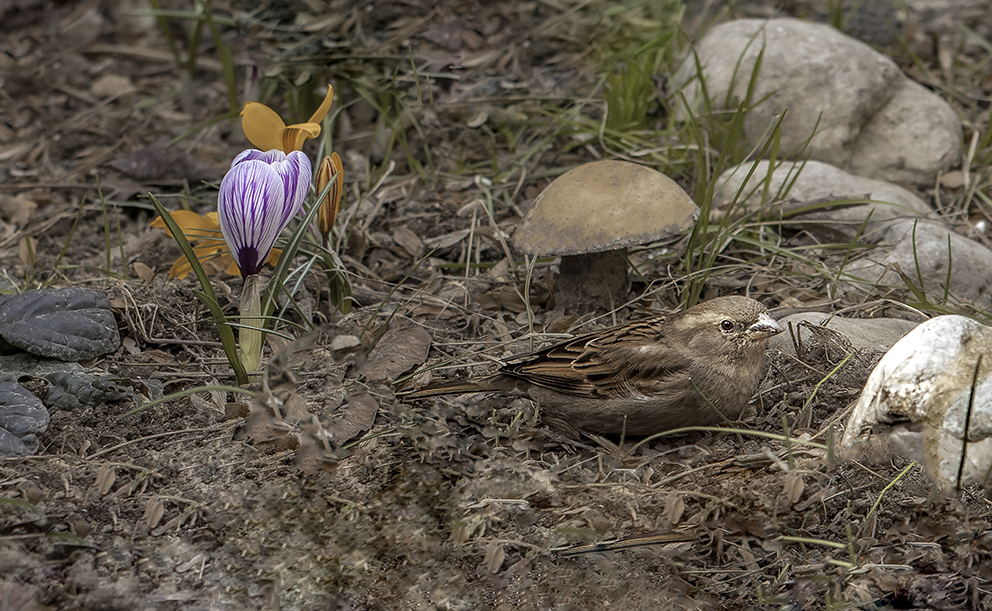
(926, 380)
(817, 182)
(868, 116)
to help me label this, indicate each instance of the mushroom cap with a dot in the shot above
(604, 205)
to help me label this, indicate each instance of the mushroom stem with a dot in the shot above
(590, 282)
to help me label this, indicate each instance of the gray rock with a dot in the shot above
(797, 185)
(925, 260)
(917, 400)
(913, 137)
(864, 334)
(832, 84)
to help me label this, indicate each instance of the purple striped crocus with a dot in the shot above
(259, 195)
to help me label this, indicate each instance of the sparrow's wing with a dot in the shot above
(620, 362)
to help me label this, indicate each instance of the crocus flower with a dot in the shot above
(266, 129)
(259, 195)
(203, 232)
(330, 169)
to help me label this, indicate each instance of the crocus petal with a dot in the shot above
(262, 126)
(269, 157)
(293, 169)
(296, 174)
(252, 210)
(325, 106)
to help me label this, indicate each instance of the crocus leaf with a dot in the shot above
(207, 296)
(69, 324)
(193, 225)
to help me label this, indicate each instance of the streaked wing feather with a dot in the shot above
(614, 363)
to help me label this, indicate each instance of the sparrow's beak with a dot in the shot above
(763, 329)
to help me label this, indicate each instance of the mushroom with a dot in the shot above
(590, 215)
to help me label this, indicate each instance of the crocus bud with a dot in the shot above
(259, 195)
(330, 171)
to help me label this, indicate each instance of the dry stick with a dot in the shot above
(156, 436)
(530, 263)
(468, 246)
(967, 421)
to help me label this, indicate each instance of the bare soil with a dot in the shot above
(466, 503)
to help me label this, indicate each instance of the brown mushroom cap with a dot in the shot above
(604, 205)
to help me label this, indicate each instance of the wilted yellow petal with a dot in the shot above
(233, 269)
(294, 136)
(193, 225)
(266, 130)
(262, 126)
(325, 106)
(180, 269)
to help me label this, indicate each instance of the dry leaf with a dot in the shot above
(674, 507)
(105, 479)
(160, 163)
(447, 240)
(358, 415)
(20, 597)
(494, 557)
(794, 487)
(502, 298)
(27, 250)
(111, 85)
(144, 272)
(17, 210)
(410, 241)
(399, 351)
(154, 510)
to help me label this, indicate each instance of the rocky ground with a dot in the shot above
(467, 503)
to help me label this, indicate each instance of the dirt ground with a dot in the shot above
(455, 504)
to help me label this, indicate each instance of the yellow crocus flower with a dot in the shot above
(266, 129)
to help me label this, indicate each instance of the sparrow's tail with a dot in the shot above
(456, 387)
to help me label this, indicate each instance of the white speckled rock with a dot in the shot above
(918, 395)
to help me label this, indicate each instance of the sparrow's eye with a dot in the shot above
(727, 325)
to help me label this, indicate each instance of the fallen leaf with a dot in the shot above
(105, 479)
(111, 85)
(143, 271)
(22, 418)
(409, 241)
(69, 324)
(27, 250)
(399, 351)
(357, 416)
(17, 210)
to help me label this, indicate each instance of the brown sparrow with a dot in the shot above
(691, 368)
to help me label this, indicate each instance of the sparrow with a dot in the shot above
(692, 368)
